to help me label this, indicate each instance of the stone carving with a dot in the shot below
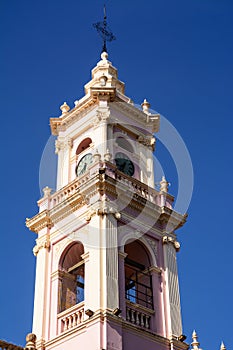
(168, 239)
(153, 245)
(147, 141)
(102, 115)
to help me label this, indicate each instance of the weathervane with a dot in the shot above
(104, 31)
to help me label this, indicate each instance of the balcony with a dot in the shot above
(70, 318)
(136, 186)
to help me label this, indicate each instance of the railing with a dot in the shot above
(137, 187)
(138, 315)
(8, 346)
(70, 318)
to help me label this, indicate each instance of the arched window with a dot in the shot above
(83, 145)
(138, 280)
(73, 277)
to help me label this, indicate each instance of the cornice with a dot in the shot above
(89, 102)
(39, 221)
(146, 120)
(63, 122)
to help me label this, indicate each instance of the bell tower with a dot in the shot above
(106, 272)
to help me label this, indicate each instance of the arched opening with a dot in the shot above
(83, 145)
(72, 270)
(138, 280)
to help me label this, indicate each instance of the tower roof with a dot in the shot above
(104, 86)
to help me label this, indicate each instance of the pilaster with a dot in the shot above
(172, 296)
(63, 146)
(41, 309)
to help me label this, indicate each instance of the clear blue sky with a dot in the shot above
(177, 54)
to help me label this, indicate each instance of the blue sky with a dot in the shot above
(178, 55)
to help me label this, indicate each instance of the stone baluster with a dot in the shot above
(127, 314)
(137, 318)
(147, 323)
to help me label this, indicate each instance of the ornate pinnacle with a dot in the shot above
(163, 185)
(145, 106)
(195, 343)
(222, 347)
(64, 108)
(31, 342)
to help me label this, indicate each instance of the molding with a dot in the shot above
(85, 257)
(122, 255)
(155, 269)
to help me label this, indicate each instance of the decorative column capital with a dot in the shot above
(44, 242)
(62, 144)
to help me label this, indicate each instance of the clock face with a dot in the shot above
(83, 164)
(124, 164)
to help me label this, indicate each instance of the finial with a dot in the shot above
(107, 156)
(64, 108)
(195, 344)
(47, 191)
(163, 185)
(31, 342)
(97, 156)
(104, 56)
(222, 347)
(145, 106)
(104, 31)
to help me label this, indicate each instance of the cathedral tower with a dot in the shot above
(106, 272)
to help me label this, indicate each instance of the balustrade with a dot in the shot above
(138, 315)
(8, 346)
(71, 318)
